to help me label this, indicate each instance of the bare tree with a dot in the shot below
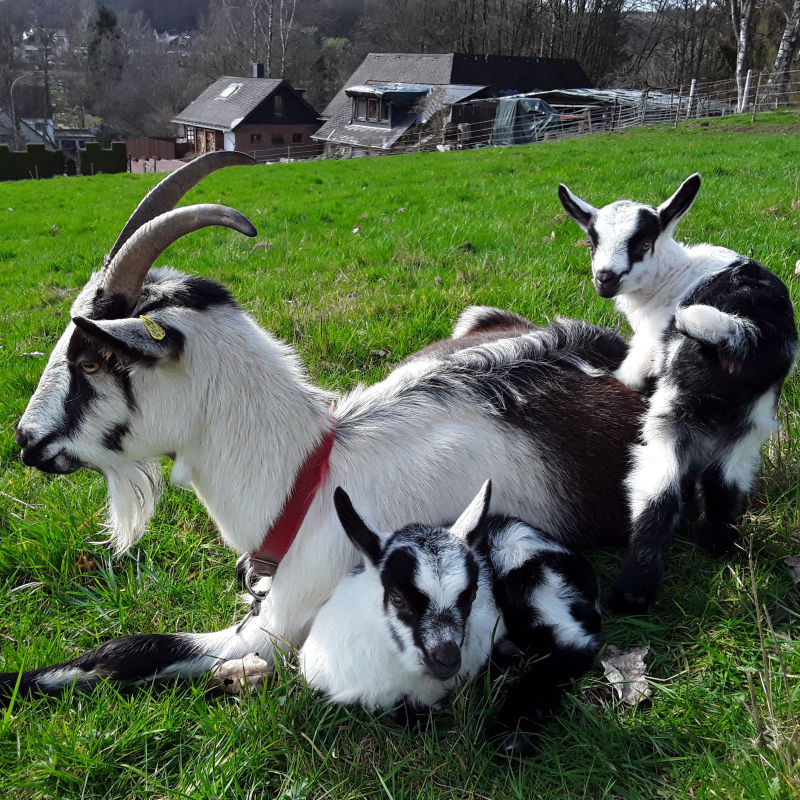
(741, 17)
(286, 11)
(787, 50)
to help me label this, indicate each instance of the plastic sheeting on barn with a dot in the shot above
(522, 120)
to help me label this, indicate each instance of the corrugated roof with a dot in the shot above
(227, 102)
(453, 77)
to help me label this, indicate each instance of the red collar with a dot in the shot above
(310, 477)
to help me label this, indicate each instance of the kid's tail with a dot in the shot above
(735, 336)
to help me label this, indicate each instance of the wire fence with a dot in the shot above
(570, 113)
(584, 112)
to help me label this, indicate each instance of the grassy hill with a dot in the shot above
(359, 263)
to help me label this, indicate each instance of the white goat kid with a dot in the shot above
(157, 363)
(714, 337)
(415, 617)
(431, 605)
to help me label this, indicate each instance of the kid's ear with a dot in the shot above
(359, 533)
(470, 527)
(673, 209)
(133, 337)
(582, 212)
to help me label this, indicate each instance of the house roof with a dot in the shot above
(227, 102)
(448, 77)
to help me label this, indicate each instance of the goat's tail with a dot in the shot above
(736, 337)
(138, 659)
(488, 319)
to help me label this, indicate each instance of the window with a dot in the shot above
(190, 134)
(279, 104)
(370, 110)
(230, 89)
(277, 138)
(255, 138)
(297, 138)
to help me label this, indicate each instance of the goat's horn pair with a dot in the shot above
(125, 273)
(164, 196)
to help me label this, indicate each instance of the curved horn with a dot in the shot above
(164, 196)
(125, 273)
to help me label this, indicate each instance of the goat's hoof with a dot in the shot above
(506, 654)
(515, 744)
(626, 601)
(716, 540)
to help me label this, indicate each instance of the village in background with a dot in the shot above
(138, 85)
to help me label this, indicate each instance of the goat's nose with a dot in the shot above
(444, 660)
(606, 283)
(23, 437)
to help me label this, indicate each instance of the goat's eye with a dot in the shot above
(590, 244)
(90, 367)
(645, 247)
(397, 600)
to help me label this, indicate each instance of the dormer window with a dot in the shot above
(370, 109)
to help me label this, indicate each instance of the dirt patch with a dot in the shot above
(784, 129)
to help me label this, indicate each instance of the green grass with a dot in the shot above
(436, 232)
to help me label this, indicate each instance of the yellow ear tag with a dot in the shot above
(153, 328)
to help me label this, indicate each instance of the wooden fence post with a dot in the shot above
(692, 88)
(746, 91)
(755, 99)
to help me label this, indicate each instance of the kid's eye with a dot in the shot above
(90, 367)
(645, 246)
(397, 600)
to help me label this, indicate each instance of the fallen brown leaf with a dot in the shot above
(793, 563)
(626, 672)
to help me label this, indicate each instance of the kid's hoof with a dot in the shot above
(627, 601)
(515, 744)
(716, 540)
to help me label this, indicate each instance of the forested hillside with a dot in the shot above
(132, 64)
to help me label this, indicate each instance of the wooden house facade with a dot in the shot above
(265, 117)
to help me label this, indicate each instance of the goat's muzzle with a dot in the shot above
(606, 283)
(36, 453)
(444, 660)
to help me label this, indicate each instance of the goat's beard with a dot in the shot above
(133, 492)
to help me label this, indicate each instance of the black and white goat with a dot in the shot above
(155, 362)
(714, 337)
(430, 605)
(412, 619)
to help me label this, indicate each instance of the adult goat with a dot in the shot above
(156, 363)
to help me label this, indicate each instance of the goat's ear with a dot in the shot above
(470, 527)
(582, 212)
(133, 338)
(359, 533)
(670, 211)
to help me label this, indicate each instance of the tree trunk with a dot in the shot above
(741, 16)
(787, 50)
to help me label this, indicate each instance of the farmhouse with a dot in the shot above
(266, 117)
(34, 119)
(395, 99)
